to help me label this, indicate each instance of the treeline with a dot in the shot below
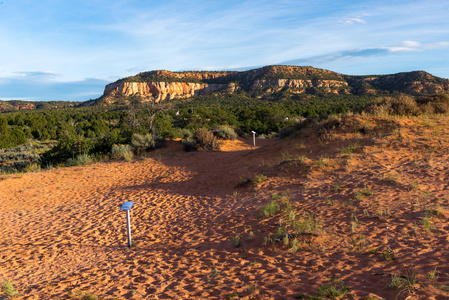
(94, 130)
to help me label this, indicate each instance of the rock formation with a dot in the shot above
(165, 85)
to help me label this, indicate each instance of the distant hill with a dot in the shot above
(164, 85)
(265, 82)
(16, 105)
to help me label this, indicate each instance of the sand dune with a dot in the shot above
(64, 237)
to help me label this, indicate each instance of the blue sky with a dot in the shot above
(69, 50)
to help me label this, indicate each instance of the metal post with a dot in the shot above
(254, 138)
(127, 206)
(128, 226)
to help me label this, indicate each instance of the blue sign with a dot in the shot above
(127, 205)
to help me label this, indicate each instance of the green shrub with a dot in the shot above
(206, 140)
(286, 132)
(66, 149)
(33, 168)
(128, 156)
(235, 241)
(8, 289)
(336, 288)
(306, 224)
(258, 179)
(80, 160)
(270, 209)
(189, 144)
(186, 133)
(118, 149)
(226, 132)
(143, 142)
(121, 151)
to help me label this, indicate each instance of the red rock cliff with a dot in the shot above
(160, 91)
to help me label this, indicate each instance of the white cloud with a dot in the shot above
(38, 75)
(416, 46)
(349, 21)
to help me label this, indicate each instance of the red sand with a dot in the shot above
(64, 237)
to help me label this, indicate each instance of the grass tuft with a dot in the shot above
(270, 209)
(9, 289)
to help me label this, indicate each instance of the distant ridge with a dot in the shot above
(19, 105)
(162, 85)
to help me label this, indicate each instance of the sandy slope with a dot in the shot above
(63, 235)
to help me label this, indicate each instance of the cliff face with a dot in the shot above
(159, 91)
(301, 85)
(164, 85)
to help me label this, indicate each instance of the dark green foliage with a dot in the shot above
(68, 147)
(189, 144)
(10, 137)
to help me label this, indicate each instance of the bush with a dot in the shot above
(66, 148)
(403, 105)
(33, 167)
(122, 151)
(186, 133)
(189, 145)
(286, 132)
(128, 156)
(226, 132)
(436, 104)
(80, 160)
(206, 140)
(142, 142)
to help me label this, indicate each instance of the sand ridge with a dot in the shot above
(63, 235)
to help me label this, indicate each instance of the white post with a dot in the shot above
(254, 138)
(128, 226)
(127, 206)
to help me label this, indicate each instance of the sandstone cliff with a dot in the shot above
(165, 85)
(164, 90)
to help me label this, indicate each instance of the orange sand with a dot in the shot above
(64, 237)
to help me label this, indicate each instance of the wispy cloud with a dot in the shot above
(38, 75)
(405, 46)
(416, 46)
(357, 19)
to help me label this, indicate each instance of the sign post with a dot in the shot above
(127, 207)
(254, 138)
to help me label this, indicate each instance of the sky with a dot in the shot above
(69, 50)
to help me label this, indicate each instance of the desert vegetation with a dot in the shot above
(94, 130)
